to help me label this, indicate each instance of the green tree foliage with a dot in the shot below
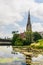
(28, 40)
(36, 36)
(16, 40)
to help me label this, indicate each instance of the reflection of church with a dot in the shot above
(28, 26)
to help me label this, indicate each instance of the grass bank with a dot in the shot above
(38, 44)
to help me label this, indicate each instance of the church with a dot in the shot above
(28, 27)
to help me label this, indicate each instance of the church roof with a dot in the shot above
(22, 35)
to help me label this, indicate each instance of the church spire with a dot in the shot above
(28, 27)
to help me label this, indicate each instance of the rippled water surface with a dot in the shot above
(37, 60)
(7, 58)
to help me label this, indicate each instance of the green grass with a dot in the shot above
(39, 44)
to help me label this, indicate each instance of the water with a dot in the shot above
(7, 58)
(37, 60)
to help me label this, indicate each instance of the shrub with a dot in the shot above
(36, 36)
(39, 44)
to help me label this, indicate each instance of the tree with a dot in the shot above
(18, 42)
(15, 35)
(36, 36)
(28, 37)
(16, 39)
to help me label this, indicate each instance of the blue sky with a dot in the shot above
(14, 16)
(39, 1)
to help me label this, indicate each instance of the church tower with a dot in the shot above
(28, 26)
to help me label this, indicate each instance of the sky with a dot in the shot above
(14, 16)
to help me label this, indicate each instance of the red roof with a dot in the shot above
(22, 35)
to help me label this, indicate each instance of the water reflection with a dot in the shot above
(37, 60)
(11, 59)
(7, 58)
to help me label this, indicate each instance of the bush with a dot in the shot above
(36, 36)
(18, 43)
(39, 44)
(16, 40)
(15, 36)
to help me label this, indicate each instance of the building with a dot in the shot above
(28, 27)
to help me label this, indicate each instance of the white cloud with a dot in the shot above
(37, 27)
(20, 29)
(3, 35)
(38, 11)
(10, 12)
